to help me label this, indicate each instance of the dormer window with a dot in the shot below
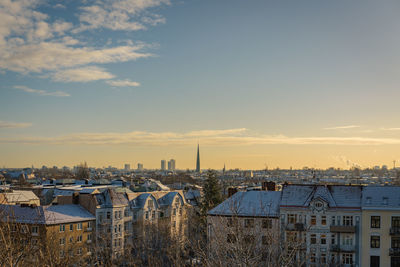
(368, 200)
(319, 205)
(385, 200)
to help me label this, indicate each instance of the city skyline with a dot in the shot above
(256, 84)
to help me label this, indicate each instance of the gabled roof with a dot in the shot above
(337, 196)
(250, 203)
(167, 199)
(139, 200)
(48, 215)
(381, 197)
(110, 198)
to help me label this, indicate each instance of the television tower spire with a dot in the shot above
(198, 159)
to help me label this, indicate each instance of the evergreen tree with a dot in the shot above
(212, 193)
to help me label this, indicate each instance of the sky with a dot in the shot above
(256, 83)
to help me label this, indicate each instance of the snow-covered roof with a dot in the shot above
(381, 197)
(110, 198)
(250, 203)
(55, 214)
(337, 196)
(20, 196)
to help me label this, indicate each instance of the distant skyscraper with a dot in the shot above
(127, 167)
(171, 165)
(140, 166)
(198, 159)
(163, 165)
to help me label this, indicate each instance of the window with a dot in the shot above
(79, 252)
(229, 222)
(313, 239)
(333, 238)
(62, 227)
(265, 240)
(323, 239)
(347, 240)
(374, 261)
(323, 258)
(318, 205)
(333, 220)
(89, 237)
(375, 241)
(89, 225)
(347, 258)
(174, 212)
(385, 200)
(230, 238)
(375, 221)
(292, 218)
(161, 214)
(79, 238)
(61, 253)
(71, 240)
(126, 213)
(267, 223)
(146, 215)
(394, 261)
(248, 239)
(180, 211)
(24, 229)
(35, 230)
(150, 203)
(79, 226)
(348, 220)
(312, 258)
(249, 223)
(153, 215)
(120, 214)
(115, 214)
(396, 221)
(71, 227)
(108, 215)
(323, 220)
(119, 228)
(62, 241)
(396, 242)
(313, 220)
(100, 217)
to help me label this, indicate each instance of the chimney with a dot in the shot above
(75, 198)
(268, 186)
(232, 191)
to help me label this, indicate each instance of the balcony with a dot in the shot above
(88, 241)
(394, 252)
(88, 229)
(395, 230)
(342, 229)
(295, 227)
(343, 248)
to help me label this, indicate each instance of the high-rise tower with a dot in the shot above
(198, 159)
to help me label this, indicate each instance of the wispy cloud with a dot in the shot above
(228, 137)
(7, 124)
(41, 92)
(123, 83)
(342, 127)
(390, 129)
(86, 74)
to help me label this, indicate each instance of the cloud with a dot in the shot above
(123, 83)
(120, 15)
(390, 129)
(85, 74)
(5, 124)
(228, 137)
(32, 41)
(41, 92)
(342, 127)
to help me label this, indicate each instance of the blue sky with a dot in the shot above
(278, 83)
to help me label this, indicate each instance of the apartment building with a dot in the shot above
(327, 220)
(245, 226)
(381, 226)
(65, 230)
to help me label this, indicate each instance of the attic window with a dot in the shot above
(385, 200)
(368, 200)
(318, 205)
